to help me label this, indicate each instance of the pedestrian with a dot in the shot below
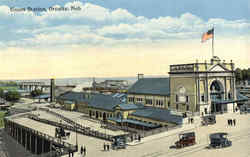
(81, 150)
(104, 146)
(108, 147)
(84, 150)
(192, 120)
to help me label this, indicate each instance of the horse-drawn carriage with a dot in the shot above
(60, 133)
(119, 142)
(208, 120)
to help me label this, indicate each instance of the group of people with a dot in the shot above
(135, 138)
(231, 122)
(190, 120)
(83, 150)
(106, 146)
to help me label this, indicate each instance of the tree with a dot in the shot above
(1, 93)
(36, 92)
(238, 75)
(12, 96)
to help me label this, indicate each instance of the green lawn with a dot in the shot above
(2, 113)
(9, 87)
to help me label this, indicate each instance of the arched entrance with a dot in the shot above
(216, 95)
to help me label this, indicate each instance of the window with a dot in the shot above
(149, 101)
(177, 98)
(205, 110)
(187, 100)
(187, 108)
(202, 98)
(139, 99)
(159, 102)
(131, 99)
(168, 103)
(229, 95)
(177, 106)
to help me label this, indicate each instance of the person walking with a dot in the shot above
(81, 150)
(84, 151)
(104, 146)
(108, 147)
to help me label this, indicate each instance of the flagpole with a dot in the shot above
(213, 44)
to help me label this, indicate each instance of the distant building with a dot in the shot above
(111, 84)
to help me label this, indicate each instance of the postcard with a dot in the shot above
(124, 78)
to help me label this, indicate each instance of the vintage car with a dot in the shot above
(119, 142)
(208, 120)
(219, 140)
(185, 139)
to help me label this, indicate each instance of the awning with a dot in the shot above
(132, 121)
(239, 96)
(44, 96)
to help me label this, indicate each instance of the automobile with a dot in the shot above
(185, 139)
(208, 120)
(219, 140)
(119, 142)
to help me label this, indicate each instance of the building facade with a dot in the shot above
(203, 87)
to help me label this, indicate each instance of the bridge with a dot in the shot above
(36, 142)
(33, 85)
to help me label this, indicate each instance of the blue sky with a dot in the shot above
(109, 35)
(227, 9)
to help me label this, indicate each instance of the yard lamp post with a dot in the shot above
(76, 136)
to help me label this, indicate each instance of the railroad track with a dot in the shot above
(193, 149)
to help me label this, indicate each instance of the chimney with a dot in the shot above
(52, 90)
(140, 76)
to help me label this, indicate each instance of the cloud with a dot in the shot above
(98, 26)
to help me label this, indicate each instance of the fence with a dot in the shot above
(75, 126)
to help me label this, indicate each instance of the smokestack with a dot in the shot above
(52, 90)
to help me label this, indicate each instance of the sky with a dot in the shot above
(116, 38)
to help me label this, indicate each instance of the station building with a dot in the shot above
(112, 109)
(201, 88)
(190, 89)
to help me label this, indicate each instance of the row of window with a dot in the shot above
(203, 97)
(159, 102)
(147, 101)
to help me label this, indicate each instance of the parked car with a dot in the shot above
(208, 120)
(219, 140)
(185, 139)
(119, 142)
